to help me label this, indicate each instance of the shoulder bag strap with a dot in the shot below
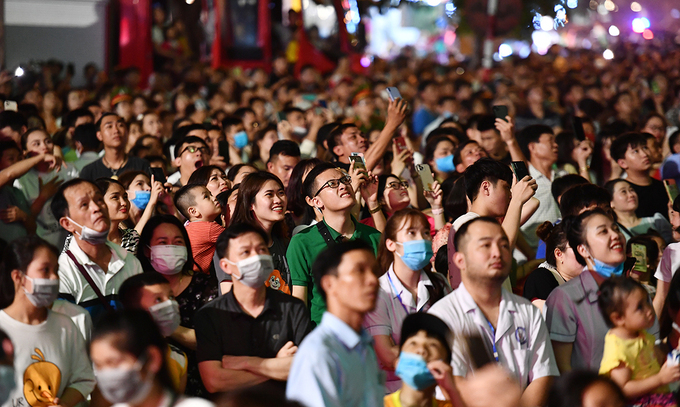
(89, 280)
(325, 233)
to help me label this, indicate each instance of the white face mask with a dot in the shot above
(254, 270)
(124, 385)
(166, 315)
(45, 291)
(168, 259)
(89, 235)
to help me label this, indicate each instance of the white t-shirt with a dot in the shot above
(50, 355)
(670, 262)
(78, 315)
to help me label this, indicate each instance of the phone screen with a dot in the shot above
(577, 126)
(400, 143)
(520, 169)
(280, 116)
(358, 161)
(223, 149)
(393, 93)
(639, 251)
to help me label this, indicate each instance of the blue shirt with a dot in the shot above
(421, 118)
(335, 366)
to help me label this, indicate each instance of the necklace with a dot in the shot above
(114, 171)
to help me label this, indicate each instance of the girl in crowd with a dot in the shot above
(144, 193)
(560, 265)
(239, 171)
(262, 202)
(29, 284)
(152, 125)
(303, 214)
(212, 177)
(134, 133)
(166, 250)
(118, 204)
(625, 203)
(630, 357)
(439, 155)
(405, 287)
(264, 140)
(128, 353)
(576, 326)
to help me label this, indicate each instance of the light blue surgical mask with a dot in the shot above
(412, 369)
(241, 139)
(445, 164)
(417, 253)
(605, 270)
(141, 199)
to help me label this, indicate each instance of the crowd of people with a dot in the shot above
(246, 238)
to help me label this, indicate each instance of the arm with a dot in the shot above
(622, 376)
(369, 191)
(582, 152)
(386, 351)
(563, 352)
(271, 368)
(506, 128)
(185, 336)
(396, 113)
(46, 192)
(300, 292)
(662, 289)
(536, 393)
(435, 198)
(522, 191)
(20, 168)
(156, 190)
(69, 398)
(218, 379)
(529, 209)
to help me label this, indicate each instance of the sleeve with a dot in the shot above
(65, 282)
(377, 322)
(82, 375)
(669, 169)
(207, 337)
(314, 379)
(539, 285)
(300, 270)
(542, 358)
(664, 271)
(302, 321)
(560, 317)
(613, 355)
(215, 231)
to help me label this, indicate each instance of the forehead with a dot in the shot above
(141, 177)
(114, 188)
(483, 229)
(546, 137)
(198, 133)
(194, 144)
(199, 190)
(110, 119)
(80, 190)
(356, 258)
(166, 230)
(328, 175)
(246, 239)
(37, 135)
(598, 220)
(156, 289)
(288, 159)
(423, 336)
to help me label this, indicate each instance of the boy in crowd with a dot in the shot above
(191, 153)
(283, 157)
(199, 207)
(86, 145)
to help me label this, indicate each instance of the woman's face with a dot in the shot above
(152, 125)
(106, 356)
(39, 142)
(167, 234)
(395, 195)
(604, 241)
(655, 127)
(267, 142)
(217, 182)
(44, 265)
(443, 149)
(117, 202)
(134, 134)
(567, 264)
(624, 197)
(139, 106)
(140, 183)
(270, 202)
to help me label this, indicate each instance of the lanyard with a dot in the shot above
(493, 341)
(398, 296)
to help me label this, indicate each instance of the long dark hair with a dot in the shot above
(17, 256)
(576, 230)
(565, 142)
(202, 175)
(295, 192)
(568, 389)
(247, 191)
(394, 225)
(145, 241)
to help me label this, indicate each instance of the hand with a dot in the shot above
(50, 188)
(316, 120)
(669, 373)
(55, 402)
(582, 152)
(287, 350)
(443, 374)
(157, 189)
(490, 386)
(12, 214)
(55, 163)
(396, 113)
(369, 189)
(358, 176)
(435, 196)
(218, 160)
(285, 129)
(400, 160)
(523, 189)
(506, 129)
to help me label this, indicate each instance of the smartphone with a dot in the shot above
(478, 351)
(323, 104)
(358, 160)
(500, 112)
(639, 251)
(280, 116)
(520, 169)
(577, 126)
(671, 189)
(400, 142)
(223, 149)
(11, 105)
(309, 97)
(158, 174)
(425, 174)
(393, 93)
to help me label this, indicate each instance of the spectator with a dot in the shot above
(118, 206)
(265, 138)
(573, 156)
(283, 157)
(670, 169)
(583, 388)
(426, 114)
(191, 153)
(86, 145)
(12, 125)
(145, 195)
(16, 219)
(467, 153)
(670, 261)
(211, 177)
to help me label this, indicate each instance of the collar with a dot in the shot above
(343, 332)
(335, 234)
(89, 154)
(536, 174)
(118, 256)
(506, 306)
(233, 305)
(400, 292)
(590, 287)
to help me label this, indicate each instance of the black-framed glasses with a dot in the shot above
(334, 183)
(193, 149)
(397, 185)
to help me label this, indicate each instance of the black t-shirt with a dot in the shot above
(651, 199)
(97, 169)
(223, 328)
(539, 284)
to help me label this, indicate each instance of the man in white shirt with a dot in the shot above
(91, 269)
(513, 330)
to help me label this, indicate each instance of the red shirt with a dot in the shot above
(203, 236)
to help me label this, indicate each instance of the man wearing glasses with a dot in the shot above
(113, 133)
(329, 191)
(191, 153)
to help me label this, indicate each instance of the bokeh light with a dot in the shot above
(614, 31)
(608, 54)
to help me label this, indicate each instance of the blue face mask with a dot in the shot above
(445, 164)
(241, 139)
(412, 369)
(605, 270)
(141, 199)
(417, 253)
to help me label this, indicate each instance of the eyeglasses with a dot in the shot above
(397, 185)
(334, 183)
(193, 149)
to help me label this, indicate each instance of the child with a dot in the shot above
(629, 357)
(201, 209)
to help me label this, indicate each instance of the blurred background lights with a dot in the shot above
(572, 3)
(614, 31)
(675, 13)
(547, 23)
(608, 54)
(647, 34)
(639, 24)
(504, 50)
(602, 9)
(609, 5)
(636, 7)
(19, 71)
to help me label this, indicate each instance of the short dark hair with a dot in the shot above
(75, 114)
(309, 185)
(486, 122)
(105, 114)
(568, 390)
(86, 134)
(531, 134)
(578, 197)
(424, 84)
(461, 233)
(232, 232)
(433, 327)
(187, 140)
(673, 139)
(59, 204)
(230, 121)
(561, 184)
(431, 146)
(14, 120)
(7, 144)
(627, 140)
(181, 132)
(613, 292)
(335, 137)
(485, 169)
(448, 132)
(130, 292)
(329, 259)
(184, 198)
(284, 147)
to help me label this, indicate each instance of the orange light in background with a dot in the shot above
(647, 34)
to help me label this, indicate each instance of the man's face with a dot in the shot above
(296, 119)
(334, 199)
(113, 132)
(247, 245)
(214, 138)
(250, 123)
(9, 157)
(430, 94)
(485, 255)
(545, 149)
(9, 133)
(355, 288)
(351, 141)
(499, 198)
(636, 159)
(151, 295)
(191, 157)
(624, 106)
(282, 166)
(86, 207)
(492, 143)
(427, 347)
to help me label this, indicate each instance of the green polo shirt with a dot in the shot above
(302, 251)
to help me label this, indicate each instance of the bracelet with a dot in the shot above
(375, 210)
(438, 211)
(584, 169)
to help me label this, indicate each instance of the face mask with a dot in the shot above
(605, 270)
(45, 291)
(91, 236)
(241, 139)
(446, 114)
(412, 369)
(417, 253)
(124, 385)
(168, 259)
(166, 315)
(254, 270)
(445, 164)
(7, 383)
(141, 199)
(300, 131)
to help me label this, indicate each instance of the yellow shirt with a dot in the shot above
(177, 366)
(636, 354)
(392, 400)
